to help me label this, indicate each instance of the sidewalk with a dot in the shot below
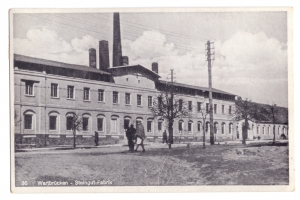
(151, 145)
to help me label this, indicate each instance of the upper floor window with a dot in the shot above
(190, 105)
(29, 88)
(115, 97)
(223, 109)
(149, 101)
(139, 100)
(54, 90)
(86, 94)
(215, 108)
(70, 92)
(28, 121)
(127, 98)
(198, 106)
(180, 104)
(100, 95)
(207, 107)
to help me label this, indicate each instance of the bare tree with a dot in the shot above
(245, 110)
(271, 112)
(169, 107)
(76, 125)
(204, 113)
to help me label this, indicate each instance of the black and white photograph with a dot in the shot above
(194, 98)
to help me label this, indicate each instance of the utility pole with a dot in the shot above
(211, 117)
(172, 111)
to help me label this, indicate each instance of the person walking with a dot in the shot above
(165, 137)
(130, 133)
(140, 134)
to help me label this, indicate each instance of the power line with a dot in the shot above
(111, 28)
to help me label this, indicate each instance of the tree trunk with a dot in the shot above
(245, 131)
(170, 133)
(274, 134)
(203, 136)
(74, 137)
(211, 130)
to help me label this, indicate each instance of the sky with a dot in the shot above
(250, 47)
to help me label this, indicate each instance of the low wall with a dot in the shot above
(42, 140)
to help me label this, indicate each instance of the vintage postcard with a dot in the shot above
(151, 100)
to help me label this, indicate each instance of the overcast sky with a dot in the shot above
(250, 47)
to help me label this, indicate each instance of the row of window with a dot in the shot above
(269, 130)
(86, 94)
(199, 107)
(70, 121)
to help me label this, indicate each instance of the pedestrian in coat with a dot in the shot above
(165, 137)
(130, 134)
(140, 134)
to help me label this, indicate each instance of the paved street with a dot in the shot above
(217, 165)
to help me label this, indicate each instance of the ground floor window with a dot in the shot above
(223, 128)
(199, 127)
(159, 127)
(28, 121)
(85, 123)
(257, 130)
(126, 123)
(52, 122)
(190, 125)
(114, 125)
(149, 126)
(100, 124)
(180, 126)
(69, 122)
(230, 128)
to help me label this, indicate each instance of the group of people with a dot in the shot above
(136, 136)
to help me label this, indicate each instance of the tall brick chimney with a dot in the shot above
(155, 67)
(117, 47)
(103, 55)
(92, 58)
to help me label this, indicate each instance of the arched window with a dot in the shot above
(216, 127)
(278, 130)
(263, 130)
(54, 121)
(190, 127)
(101, 123)
(223, 128)
(138, 119)
(268, 130)
(29, 120)
(199, 127)
(86, 122)
(127, 120)
(230, 128)
(257, 130)
(70, 120)
(180, 126)
(150, 125)
(207, 127)
(114, 121)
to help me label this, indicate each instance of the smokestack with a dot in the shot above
(125, 60)
(155, 67)
(103, 55)
(92, 57)
(117, 47)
